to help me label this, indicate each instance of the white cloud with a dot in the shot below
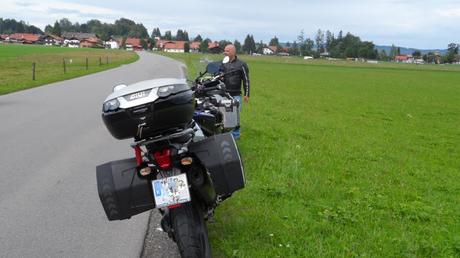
(455, 12)
(423, 23)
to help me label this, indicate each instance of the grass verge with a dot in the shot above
(16, 64)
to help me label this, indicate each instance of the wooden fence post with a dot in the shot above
(33, 71)
(63, 64)
(100, 61)
(107, 60)
(87, 63)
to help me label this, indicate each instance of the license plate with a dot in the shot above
(171, 190)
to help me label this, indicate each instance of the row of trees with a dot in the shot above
(340, 46)
(9, 26)
(122, 27)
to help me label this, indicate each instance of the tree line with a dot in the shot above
(10, 26)
(328, 44)
(122, 27)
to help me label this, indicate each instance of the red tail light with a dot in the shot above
(137, 151)
(163, 158)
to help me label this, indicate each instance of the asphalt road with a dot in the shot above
(51, 140)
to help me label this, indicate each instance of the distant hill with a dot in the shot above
(405, 51)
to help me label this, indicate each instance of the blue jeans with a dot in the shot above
(236, 131)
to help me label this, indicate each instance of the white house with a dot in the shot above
(52, 40)
(72, 43)
(111, 44)
(268, 51)
(72, 39)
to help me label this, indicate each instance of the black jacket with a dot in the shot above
(236, 72)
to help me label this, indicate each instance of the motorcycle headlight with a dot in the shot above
(111, 105)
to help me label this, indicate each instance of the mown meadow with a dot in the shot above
(344, 159)
(53, 64)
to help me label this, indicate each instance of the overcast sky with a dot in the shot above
(408, 23)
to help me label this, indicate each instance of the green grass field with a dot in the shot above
(345, 160)
(16, 64)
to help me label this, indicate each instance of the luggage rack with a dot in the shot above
(159, 138)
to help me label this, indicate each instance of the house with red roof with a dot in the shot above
(3, 37)
(161, 42)
(177, 46)
(214, 47)
(174, 46)
(404, 59)
(24, 38)
(90, 42)
(195, 46)
(133, 44)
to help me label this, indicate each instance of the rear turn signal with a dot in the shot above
(145, 171)
(186, 161)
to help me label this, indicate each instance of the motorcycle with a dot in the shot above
(186, 163)
(217, 111)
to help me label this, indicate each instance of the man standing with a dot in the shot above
(236, 71)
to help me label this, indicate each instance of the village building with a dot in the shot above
(72, 43)
(404, 59)
(52, 40)
(269, 50)
(112, 43)
(284, 51)
(24, 38)
(214, 48)
(91, 42)
(161, 42)
(324, 54)
(133, 44)
(174, 46)
(73, 39)
(195, 47)
(3, 37)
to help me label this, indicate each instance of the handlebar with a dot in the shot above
(208, 85)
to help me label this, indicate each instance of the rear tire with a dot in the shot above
(190, 231)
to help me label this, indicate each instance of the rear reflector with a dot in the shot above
(137, 151)
(174, 206)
